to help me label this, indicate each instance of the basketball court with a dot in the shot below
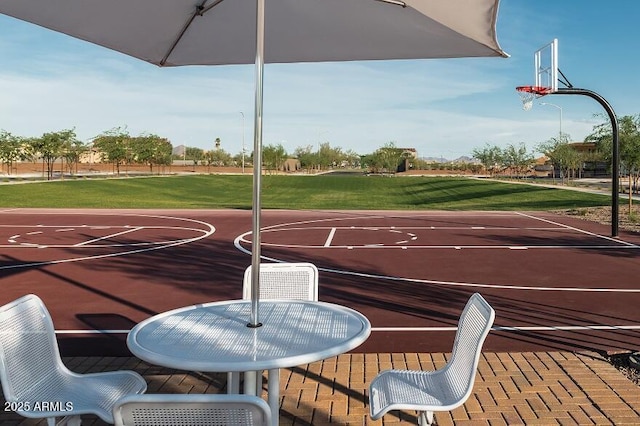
(557, 283)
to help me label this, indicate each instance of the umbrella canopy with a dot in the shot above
(217, 32)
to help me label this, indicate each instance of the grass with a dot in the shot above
(296, 192)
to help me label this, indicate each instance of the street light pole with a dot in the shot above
(559, 109)
(242, 113)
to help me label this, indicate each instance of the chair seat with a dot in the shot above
(76, 394)
(417, 390)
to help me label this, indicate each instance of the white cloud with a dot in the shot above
(358, 105)
(441, 107)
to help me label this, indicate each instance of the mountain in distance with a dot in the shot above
(462, 159)
(179, 150)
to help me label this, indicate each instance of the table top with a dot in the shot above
(215, 336)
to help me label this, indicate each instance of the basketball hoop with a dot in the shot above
(529, 93)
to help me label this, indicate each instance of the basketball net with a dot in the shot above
(529, 93)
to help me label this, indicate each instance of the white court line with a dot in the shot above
(400, 229)
(582, 231)
(525, 328)
(427, 329)
(106, 237)
(556, 226)
(240, 239)
(75, 227)
(327, 243)
(93, 246)
(207, 231)
(92, 331)
(569, 328)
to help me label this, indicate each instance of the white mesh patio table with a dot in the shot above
(214, 337)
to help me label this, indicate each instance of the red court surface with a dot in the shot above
(556, 283)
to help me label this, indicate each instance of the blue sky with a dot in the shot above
(51, 82)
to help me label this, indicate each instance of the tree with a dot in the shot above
(240, 159)
(274, 156)
(352, 158)
(114, 146)
(195, 154)
(490, 156)
(151, 150)
(217, 157)
(72, 151)
(516, 158)
(308, 159)
(12, 149)
(51, 146)
(385, 159)
(207, 158)
(563, 157)
(629, 140)
(328, 157)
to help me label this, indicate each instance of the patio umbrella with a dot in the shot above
(215, 32)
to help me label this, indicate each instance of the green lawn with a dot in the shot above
(296, 192)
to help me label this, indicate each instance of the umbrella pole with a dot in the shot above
(257, 167)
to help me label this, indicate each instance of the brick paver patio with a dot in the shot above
(532, 388)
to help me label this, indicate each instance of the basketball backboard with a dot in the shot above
(545, 64)
(545, 61)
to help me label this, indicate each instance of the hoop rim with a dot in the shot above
(538, 90)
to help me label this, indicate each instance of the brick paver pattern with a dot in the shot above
(533, 388)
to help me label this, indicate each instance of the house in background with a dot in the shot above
(592, 164)
(408, 154)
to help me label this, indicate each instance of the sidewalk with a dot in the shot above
(541, 388)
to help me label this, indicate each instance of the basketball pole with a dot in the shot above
(615, 178)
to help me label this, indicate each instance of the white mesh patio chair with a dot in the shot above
(294, 281)
(297, 281)
(191, 410)
(32, 372)
(443, 389)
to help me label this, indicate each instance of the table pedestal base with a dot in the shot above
(253, 386)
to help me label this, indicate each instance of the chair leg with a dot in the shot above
(233, 382)
(425, 418)
(65, 421)
(250, 381)
(74, 421)
(259, 383)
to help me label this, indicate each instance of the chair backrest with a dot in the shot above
(473, 327)
(297, 281)
(29, 354)
(191, 410)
